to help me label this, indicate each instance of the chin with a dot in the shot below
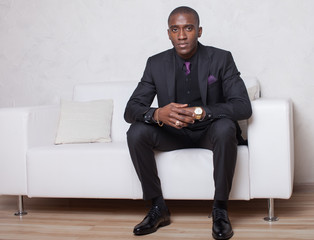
(184, 53)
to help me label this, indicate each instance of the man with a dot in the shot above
(201, 97)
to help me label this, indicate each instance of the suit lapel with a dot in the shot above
(169, 62)
(203, 72)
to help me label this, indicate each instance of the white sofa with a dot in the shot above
(32, 165)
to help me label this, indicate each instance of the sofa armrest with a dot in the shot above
(22, 128)
(271, 149)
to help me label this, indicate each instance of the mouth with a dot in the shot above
(182, 45)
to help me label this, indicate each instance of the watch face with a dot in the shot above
(198, 111)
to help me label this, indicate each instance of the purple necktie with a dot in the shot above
(187, 67)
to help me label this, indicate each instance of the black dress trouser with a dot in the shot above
(219, 136)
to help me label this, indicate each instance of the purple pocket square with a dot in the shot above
(211, 79)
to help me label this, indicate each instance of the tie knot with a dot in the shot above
(187, 68)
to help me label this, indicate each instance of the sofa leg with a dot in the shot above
(271, 213)
(20, 206)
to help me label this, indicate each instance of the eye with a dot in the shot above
(174, 30)
(189, 28)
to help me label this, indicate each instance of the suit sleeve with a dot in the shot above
(141, 99)
(236, 104)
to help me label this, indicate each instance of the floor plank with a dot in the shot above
(82, 219)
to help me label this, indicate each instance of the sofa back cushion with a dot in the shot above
(120, 92)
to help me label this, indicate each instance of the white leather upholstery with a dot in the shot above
(97, 170)
(271, 154)
(13, 142)
(30, 164)
(185, 176)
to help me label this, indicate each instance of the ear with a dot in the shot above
(200, 31)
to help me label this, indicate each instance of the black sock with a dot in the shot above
(159, 201)
(221, 204)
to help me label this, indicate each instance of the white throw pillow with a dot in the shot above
(254, 93)
(84, 122)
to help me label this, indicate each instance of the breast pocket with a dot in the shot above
(214, 92)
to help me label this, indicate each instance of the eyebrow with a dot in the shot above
(186, 25)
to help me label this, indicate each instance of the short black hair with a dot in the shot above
(184, 9)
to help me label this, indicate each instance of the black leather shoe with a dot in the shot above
(222, 229)
(155, 218)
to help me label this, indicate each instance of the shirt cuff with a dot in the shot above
(208, 114)
(148, 116)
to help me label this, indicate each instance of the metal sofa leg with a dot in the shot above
(20, 206)
(271, 214)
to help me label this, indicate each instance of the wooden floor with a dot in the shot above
(114, 219)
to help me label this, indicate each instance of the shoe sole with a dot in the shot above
(162, 224)
(224, 238)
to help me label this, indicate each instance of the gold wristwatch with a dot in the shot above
(198, 111)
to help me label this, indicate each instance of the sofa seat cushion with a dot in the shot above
(105, 170)
(184, 176)
(93, 170)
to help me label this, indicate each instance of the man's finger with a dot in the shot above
(183, 111)
(179, 105)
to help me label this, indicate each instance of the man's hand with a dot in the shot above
(175, 115)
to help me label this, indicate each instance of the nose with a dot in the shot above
(182, 34)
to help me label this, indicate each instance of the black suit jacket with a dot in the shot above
(223, 92)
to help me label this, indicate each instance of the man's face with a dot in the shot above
(183, 32)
